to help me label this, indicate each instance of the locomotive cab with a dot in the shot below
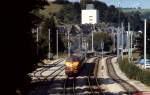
(72, 65)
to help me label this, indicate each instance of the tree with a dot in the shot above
(102, 7)
(43, 39)
(135, 21)
(61, 1)
(98, 38)
(53, 28)
(70, 14)
(22, 58)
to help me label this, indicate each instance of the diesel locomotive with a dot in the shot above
(73, 64)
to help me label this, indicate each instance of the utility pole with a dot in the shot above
(102, 47)
(81, 40)
(118, 34)
(118, 43)
(122, 30)
(114, 41)
(37, 40)
(129, 55)
(131, 45)
(92, 39)
(57, 42)
(119, 14)
(68, 45)
(87, 45)
(145, 44)
(127, 39)
(49, 34)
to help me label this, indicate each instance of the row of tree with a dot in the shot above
(71, 13)
(24, 45)
(108, 14)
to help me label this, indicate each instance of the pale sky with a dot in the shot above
(125, 3)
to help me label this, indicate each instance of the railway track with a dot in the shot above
(130, 89)
(48, 80)
(69, 84)
(38, 73)
(93, 82)
(54, 73)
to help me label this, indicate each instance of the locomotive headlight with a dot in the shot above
(69, 64)
(75, 64)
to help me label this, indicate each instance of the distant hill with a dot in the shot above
(143, 11)
(70, 13)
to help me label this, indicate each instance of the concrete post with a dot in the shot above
(57, 43)
(129, 56)
(118, 39)
(92, 42)
(49, 34)
(122, 29)
(37, 39)
(145, 44)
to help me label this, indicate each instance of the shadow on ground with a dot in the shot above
(55, 86)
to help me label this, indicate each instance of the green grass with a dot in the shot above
(51, 8)
(134, 72)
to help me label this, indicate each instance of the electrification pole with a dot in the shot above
(118, 39)
(92, 40)
(118, 34)
(114, 41)
(37, 40)
(131, 44)
(68, 45)
(145, 44)
(129, 56)
(79, 40)
(57, 42)
(49, 41)
(119, 14)
(122, 29)
(102, 47)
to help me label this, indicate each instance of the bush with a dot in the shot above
(134, 72)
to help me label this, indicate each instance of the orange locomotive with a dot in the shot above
(73, 65)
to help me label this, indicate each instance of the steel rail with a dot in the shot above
(112, 73)
(65, 85)
(96, 61)
(45, 69)
(48, 67)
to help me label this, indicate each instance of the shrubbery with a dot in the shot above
(134, 72)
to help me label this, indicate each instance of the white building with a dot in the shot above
(89, 16)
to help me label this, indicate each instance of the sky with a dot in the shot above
(144, 4)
